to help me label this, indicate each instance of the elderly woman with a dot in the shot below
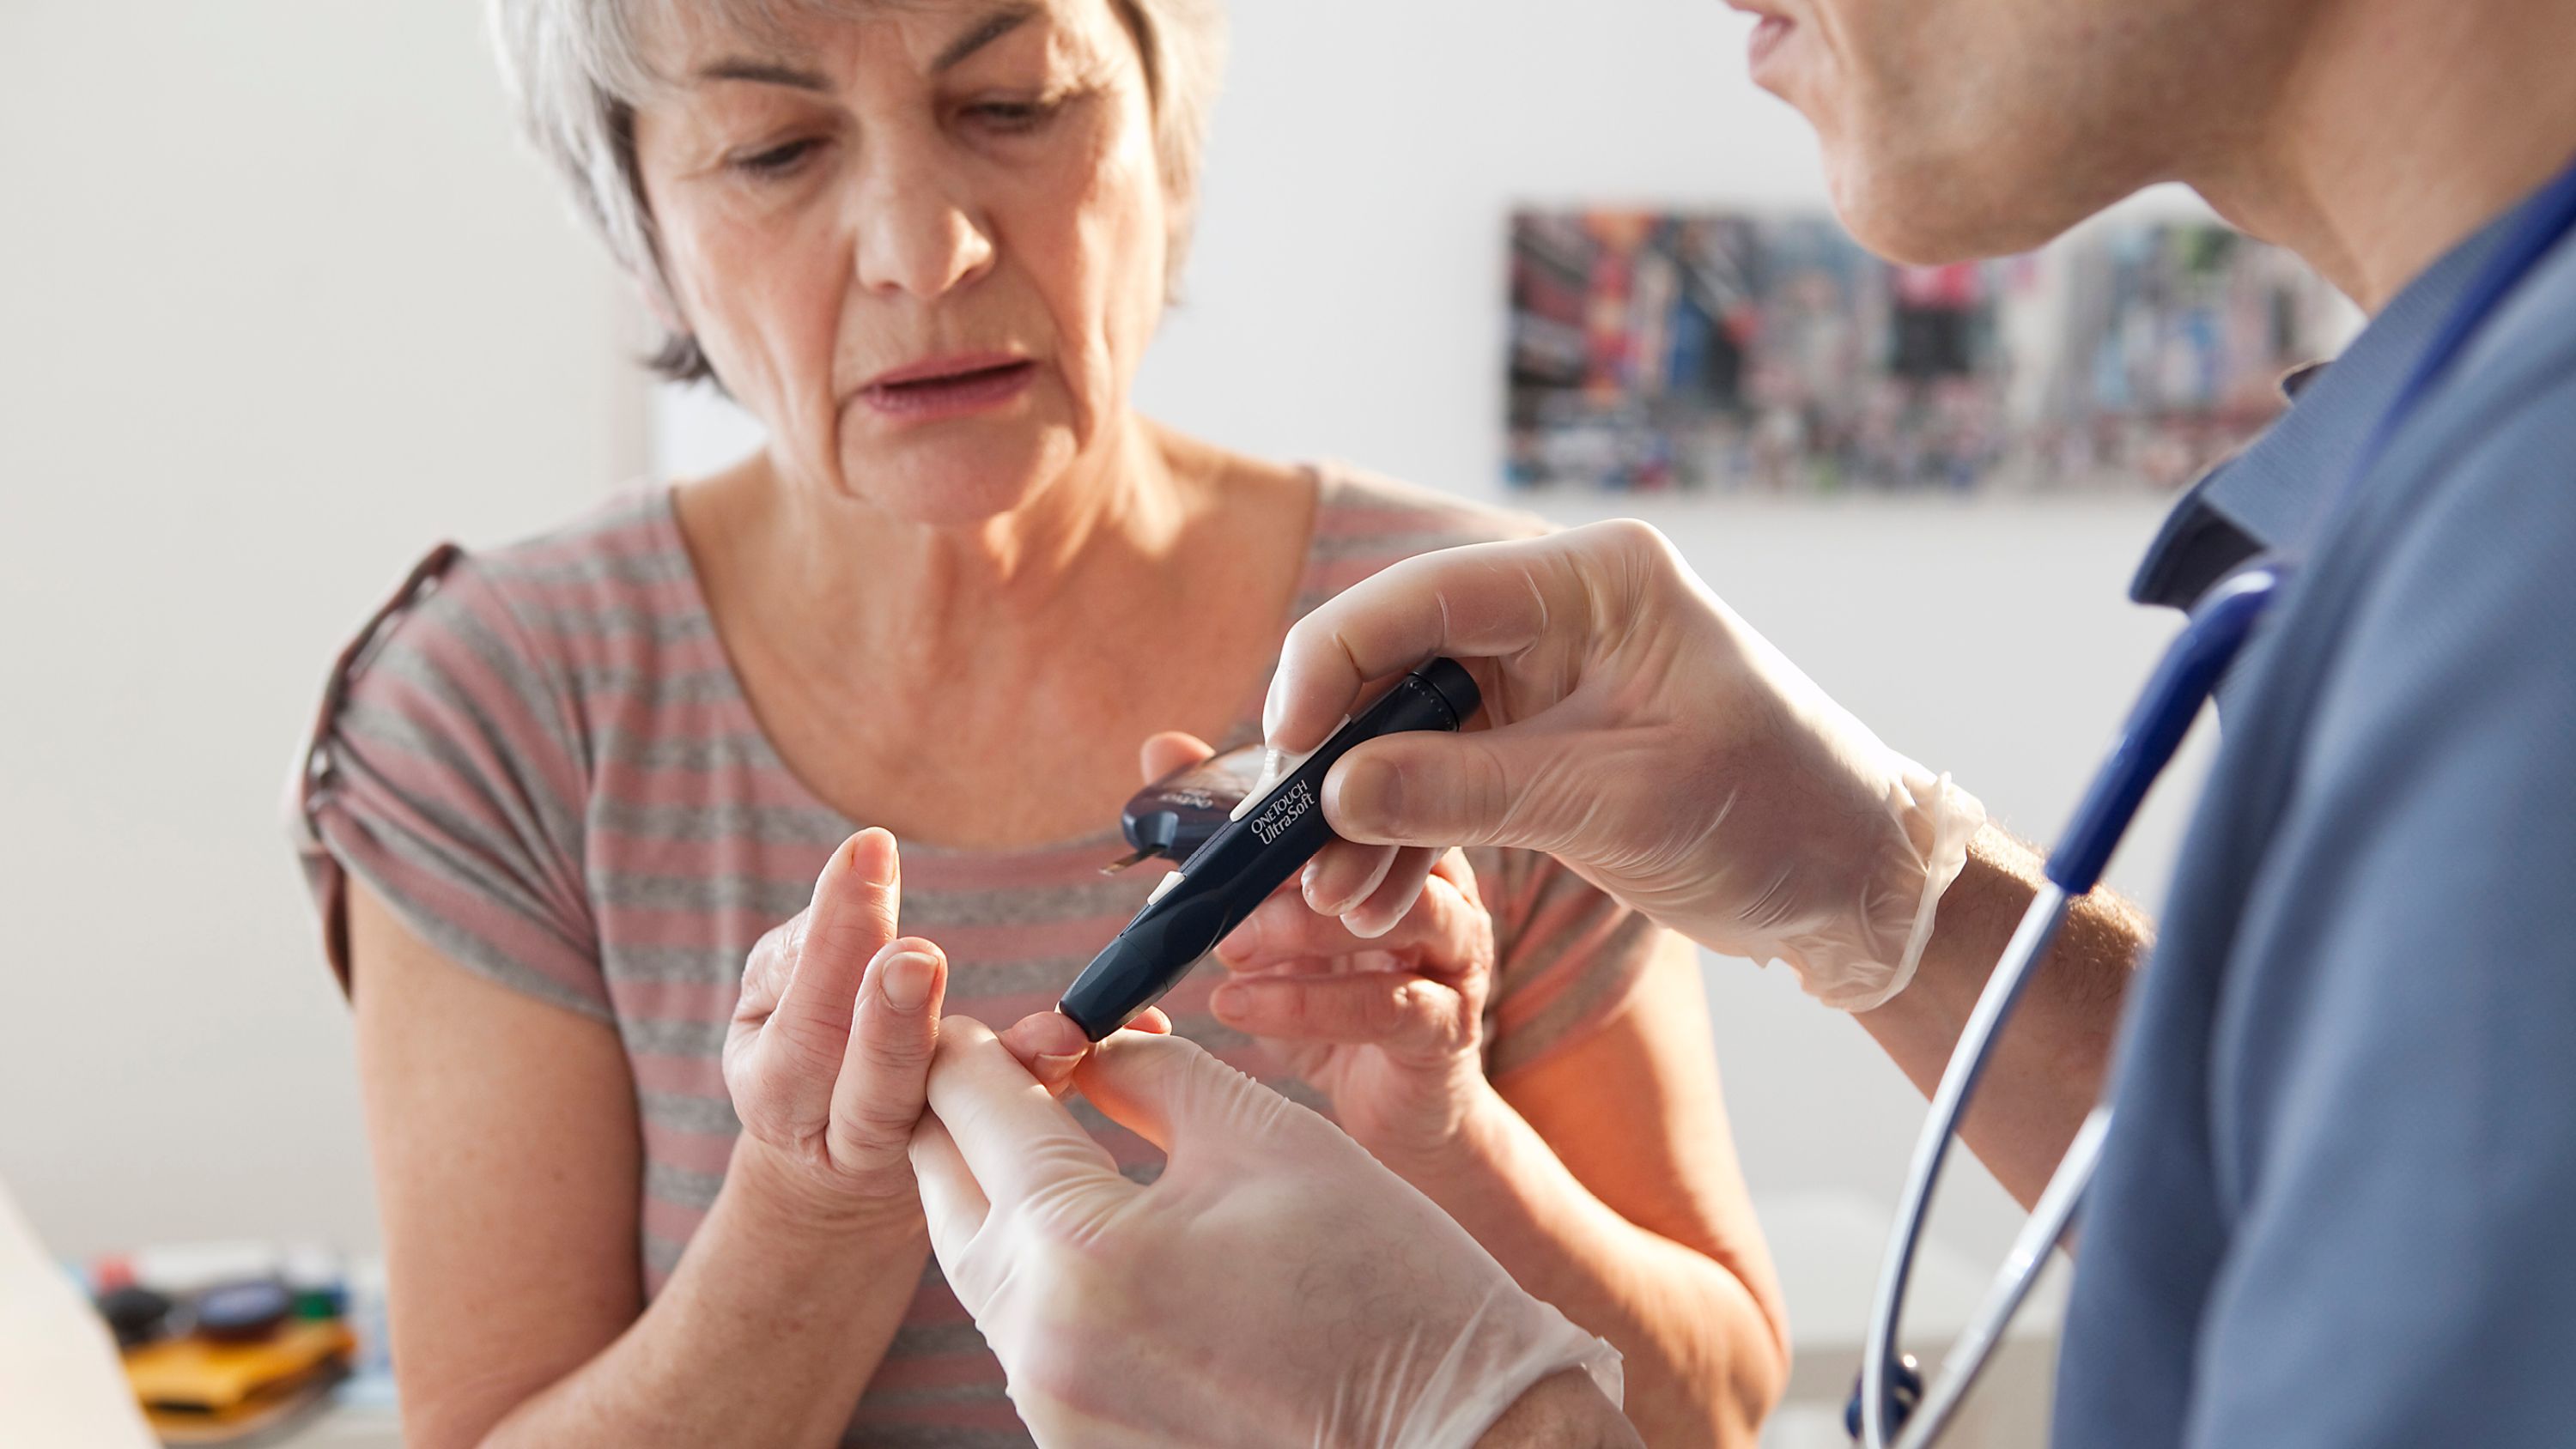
(640, 1155)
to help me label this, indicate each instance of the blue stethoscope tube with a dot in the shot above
(1880, 1416)
(2182, 682)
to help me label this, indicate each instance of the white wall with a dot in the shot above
(280, 305)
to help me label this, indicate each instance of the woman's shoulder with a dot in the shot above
(1366, 521)
(528, 631)
(552, 600)
(452, 757)
(622, 554)
(1363, 508)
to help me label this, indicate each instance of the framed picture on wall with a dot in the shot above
(1719, 352)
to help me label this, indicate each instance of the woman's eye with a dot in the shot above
(1010, 117)
(776, 160)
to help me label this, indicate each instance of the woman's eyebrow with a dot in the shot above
(764, 72)
(991, 28)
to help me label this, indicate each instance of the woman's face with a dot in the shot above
(923, 242)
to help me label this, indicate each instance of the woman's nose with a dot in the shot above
(915, 235)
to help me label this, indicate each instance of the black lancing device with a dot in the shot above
(1224, 880)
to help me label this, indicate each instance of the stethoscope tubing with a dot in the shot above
(2183, 681)
(2049, 1220)
(2031, 939)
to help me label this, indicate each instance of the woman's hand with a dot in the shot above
(1390, 1026)
(829, 1052)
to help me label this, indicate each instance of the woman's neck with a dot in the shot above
(847, 579)
(987, 686)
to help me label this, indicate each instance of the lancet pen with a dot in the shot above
(1224, 880)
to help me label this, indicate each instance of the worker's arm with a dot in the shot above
(2050, 1060)
(1639, 730)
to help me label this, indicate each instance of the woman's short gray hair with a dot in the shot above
(576, 72)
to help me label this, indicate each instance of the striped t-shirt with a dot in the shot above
(541, 760)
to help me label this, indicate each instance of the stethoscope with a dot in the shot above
(1892, 1404)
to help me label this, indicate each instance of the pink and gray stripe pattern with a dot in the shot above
(541, 759)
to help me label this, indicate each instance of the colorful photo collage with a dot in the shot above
(1726, 353)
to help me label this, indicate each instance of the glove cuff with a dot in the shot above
(1937, 820)
(1512, 1344)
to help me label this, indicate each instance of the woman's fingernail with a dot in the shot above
(1244, 941)
(907, 980)
(1052, 1065)
(1367, 927)
(1306, 887)
(1226, 1000)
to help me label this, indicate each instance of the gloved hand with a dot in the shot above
(1642, 733)
(1390, 1026)
(1275, 1286)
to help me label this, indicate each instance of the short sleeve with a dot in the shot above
(444, 773)
(1570, 956)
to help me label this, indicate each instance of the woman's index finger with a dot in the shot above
(1013, 1134)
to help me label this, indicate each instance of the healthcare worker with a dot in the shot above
(2334, 1206)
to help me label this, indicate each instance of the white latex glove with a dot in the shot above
(1641, 732)
(1275, 1286)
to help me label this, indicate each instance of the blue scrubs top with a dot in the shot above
(2338, 1204)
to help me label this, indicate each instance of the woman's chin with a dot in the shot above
(952, 483)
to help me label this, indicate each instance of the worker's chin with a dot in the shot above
(1931, 217)
(1930, 204)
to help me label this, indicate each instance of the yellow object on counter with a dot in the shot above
(189, 1383)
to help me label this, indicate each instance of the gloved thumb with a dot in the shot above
(1433, 789)
(1171, 1092)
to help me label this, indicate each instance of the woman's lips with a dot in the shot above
(922, 394)
(1767, 39)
